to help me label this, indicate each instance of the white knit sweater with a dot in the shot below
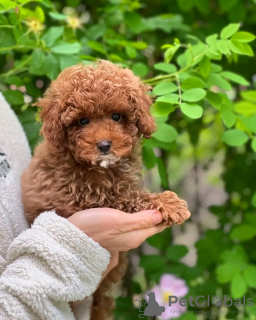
(52, 263)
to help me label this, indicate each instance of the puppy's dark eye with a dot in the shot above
(116, 117)
(83, 122)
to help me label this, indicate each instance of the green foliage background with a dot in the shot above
(198, 57)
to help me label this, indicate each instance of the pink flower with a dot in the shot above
(169, 285)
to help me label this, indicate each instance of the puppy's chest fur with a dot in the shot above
(70, 187)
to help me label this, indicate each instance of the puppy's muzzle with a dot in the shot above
(104, 146)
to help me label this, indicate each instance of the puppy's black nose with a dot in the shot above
(104, 146)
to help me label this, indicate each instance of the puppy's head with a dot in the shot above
(98, 113)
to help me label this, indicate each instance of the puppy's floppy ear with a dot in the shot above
(146, 122)
(51, 110)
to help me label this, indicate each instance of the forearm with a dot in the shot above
(50, 265)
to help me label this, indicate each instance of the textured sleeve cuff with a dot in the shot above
(65, 253)
(72, 238)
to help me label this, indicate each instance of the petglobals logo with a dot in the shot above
(177, 305)
(207, 301)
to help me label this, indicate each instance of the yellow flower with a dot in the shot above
(35, 26)
(74, 22)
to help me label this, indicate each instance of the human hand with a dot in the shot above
(115, 230)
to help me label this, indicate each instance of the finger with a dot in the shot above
(152, 231)
(139, 220)
(136, 237)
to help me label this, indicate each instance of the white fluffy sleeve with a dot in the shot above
(49, 265)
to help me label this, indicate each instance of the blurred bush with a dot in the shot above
(198, 57)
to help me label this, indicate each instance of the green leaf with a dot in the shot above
(96, 31)
(97, 46)
(216, 80)
(176, 252)
(52, 35)
(236, 255)
(161, 109)
(134, 22)
(66, 47)
(227, 116)
(58, 16)
(234, 77)
(214, 99)
(169, 98)
(203, 6)
(251, 217)
(228, 31)
(131, 52)
(160, 240)
(37, 58)
(165, 67)
(14, 97)
(191, 83)
(3, 20)
(235, 138)
(15, 80)
(162, 172)
(186, 5)
(227, 4)
(254, 199)
(247, 49)
(39, 13)
(68, 61)
(140, 45)
(212, 39)
(30, 126)
(193, 95)
(170, 52)
(254, 144)
(114, 57)
(243, 232)
(238, 287)
(51, 66)
(165, 133)
(193, 111)
(236, 46)
(246, 108)
(223, 47)
(152, 263)
(164, 88)
(243, 36)
(227, 271)
(205, 67)
(250, 276)
(248, 123)
(140, 69)
(240, 48)
(249, 95)
(149, 158)
(215, 68)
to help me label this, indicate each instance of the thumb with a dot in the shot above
(140, 220)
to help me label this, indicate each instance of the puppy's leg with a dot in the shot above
(174, 210)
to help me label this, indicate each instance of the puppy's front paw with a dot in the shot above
(174, 210)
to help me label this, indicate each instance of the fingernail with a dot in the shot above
(157, 217)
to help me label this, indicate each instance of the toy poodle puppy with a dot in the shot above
(93, 121)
